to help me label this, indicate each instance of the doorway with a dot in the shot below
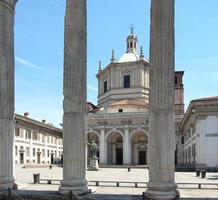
(142, 158)
(21, 158)
(119, 156)
(52, 158)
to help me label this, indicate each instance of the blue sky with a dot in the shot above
(39, 27)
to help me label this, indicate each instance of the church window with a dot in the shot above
(126, 81)
(105, 86)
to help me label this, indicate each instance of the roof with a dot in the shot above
(208, 103)
(129, 57)
(37, 125)
(206, 99)
(129, 102)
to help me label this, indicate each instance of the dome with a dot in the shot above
(129, 57)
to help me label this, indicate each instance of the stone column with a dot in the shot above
(102, 157)
(161, 117)
(126, 148)
(74, 119)
(7, 8)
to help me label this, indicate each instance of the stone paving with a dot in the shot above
(24, 179)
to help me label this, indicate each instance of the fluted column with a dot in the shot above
(7, 8)
(74, 124)
(161, 117)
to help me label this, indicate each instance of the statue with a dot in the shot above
(93, 149)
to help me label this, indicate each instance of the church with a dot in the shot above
(119, 123)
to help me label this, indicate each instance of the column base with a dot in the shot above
(162, 191)
(78, 187)
(6, 182)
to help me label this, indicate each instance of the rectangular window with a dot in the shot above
(16, 150)
(17, 132)
(34, 136)
(43, 138)
(48, 153)
(43, 153)
(34, 151)
(105, 86)
(27, 151)
(126, 81)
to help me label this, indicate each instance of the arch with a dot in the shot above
(138, 131)
(114, 140)
(92, 136)
(113, 131)
(97, 133)
(139, 147)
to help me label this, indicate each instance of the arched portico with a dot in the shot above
(139, 147)
(114, 141)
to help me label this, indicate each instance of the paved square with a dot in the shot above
(24, 178)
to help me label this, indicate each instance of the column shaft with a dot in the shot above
(161, 117)
(102, 158)
(126, 148)
(74, 122)
(6, 92)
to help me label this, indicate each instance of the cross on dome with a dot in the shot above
(132, 29)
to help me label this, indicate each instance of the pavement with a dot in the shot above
(24, 179)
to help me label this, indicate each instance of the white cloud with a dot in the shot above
(27, 63)
(93, 88)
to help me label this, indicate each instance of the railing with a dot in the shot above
(10, 195)
(131, 184)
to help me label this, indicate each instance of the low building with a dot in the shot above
(199, 134)
(36, 142)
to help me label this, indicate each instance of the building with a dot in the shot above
(199, 134)
(36, 142)
(119, 123)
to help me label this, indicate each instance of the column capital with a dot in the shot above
(9, 3)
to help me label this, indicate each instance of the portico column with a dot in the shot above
(7, 8)
(126, 148)
(161, 114)
(74, 121)
(103, 157)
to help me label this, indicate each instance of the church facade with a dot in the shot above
(119, 123)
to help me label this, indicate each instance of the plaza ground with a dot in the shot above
(24, 178)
